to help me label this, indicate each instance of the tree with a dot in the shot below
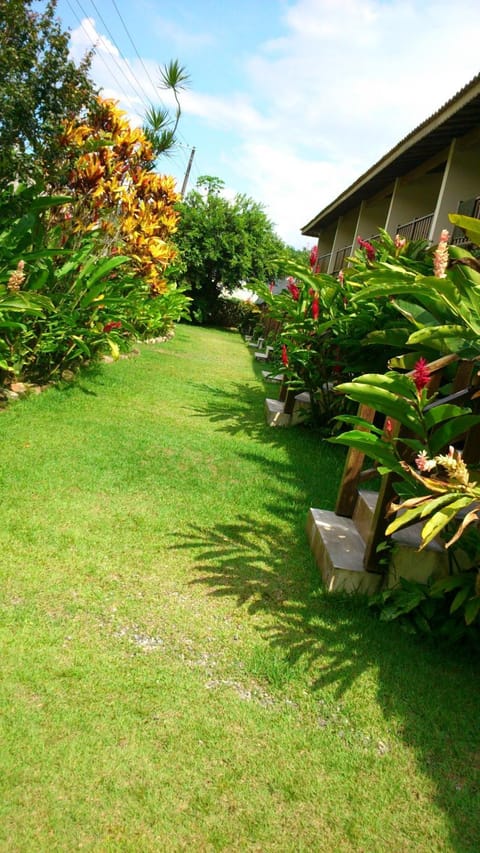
(223, 244)
(39, 87)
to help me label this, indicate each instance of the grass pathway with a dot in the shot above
(173, 677)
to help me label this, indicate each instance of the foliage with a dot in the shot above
(444, 308)
(323, 331)
(307, 313)
(438, 489)
(160, 128)
(115, 195)
(57, 305)
(40, 86)
(222, 244)
(446, 609)
(235, 313)
(94, 260)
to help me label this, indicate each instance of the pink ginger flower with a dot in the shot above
(440, 256)
(313, 257)
(369, 250)
(388, 427)
(421, 374)
(423, 463)
(271, 286)
(400, 242)
(341, 277)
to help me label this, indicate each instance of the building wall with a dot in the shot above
(461, 180)
(373, 215)
(413, 197)
(433, 189)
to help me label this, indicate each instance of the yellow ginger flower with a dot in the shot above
(16, 278)
(454, 466)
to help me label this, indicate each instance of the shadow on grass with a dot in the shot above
(430, 694)
(262, 563)
(237, 410)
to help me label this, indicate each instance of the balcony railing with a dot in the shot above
(323, 262)
(417, 229)
(340, 256)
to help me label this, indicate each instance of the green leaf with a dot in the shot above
(404, 362)
(440, 519)
(82, 345)
(44, 202)
(371, 445)
(384, 401)
(436, 414)
(436, 333)
(393, 337)
(449, 583)
(470, 225)
(445, 434)
(391, 381)
(460, 598)
(472, 609)
(355, 420)
(403, 519)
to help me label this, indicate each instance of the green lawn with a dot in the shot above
(173, 677)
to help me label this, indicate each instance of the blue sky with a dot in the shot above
(290, 100)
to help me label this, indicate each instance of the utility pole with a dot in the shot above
(187, 173)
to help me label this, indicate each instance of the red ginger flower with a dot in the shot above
(370, 251)
(315, 307)
(313, 257)
(293, 288)
(421, 374)
(284, 355)
(112, 325)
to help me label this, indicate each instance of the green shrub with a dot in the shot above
(235, 313)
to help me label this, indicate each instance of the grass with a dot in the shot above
(173, 676)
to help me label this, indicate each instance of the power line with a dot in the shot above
(133, 43)
(146, 102)
(139, 57)
(114, 58)
(99, 55)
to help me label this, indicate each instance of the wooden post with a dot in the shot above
(348, 492)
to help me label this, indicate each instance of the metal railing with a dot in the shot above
(416, 229)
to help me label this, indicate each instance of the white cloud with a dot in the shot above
(235, 113)
(85, 36)
(135, 83)
(318, 106)
(292, 187)
(346, 83)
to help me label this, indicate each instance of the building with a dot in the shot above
(432, 172)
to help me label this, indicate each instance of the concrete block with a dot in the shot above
(275, 414)
(338, 550)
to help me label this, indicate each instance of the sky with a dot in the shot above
(289, 101)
